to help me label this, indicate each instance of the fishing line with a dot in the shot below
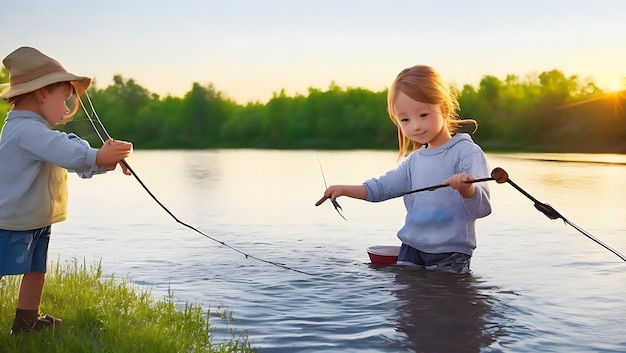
(334, 202)
(551, 213)
(106, 133)
(500, 176)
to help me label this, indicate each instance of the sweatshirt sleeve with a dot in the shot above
(392, 184)
(65, 150)
(91, 170)
(475, 164)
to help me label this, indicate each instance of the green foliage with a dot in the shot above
(546, 112)
(4, 105)
(4, 109)
(550, 112)
(108, 315)
(335, 118)
(4, 75)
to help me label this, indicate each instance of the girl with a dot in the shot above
(33, 177)
(439, 231)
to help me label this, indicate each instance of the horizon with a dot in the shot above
(250, 50)
(523, 78)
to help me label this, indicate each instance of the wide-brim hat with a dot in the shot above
(30, 70)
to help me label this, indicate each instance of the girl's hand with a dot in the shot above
(461, 182)
(334, 191)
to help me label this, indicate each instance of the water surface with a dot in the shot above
(537, 285)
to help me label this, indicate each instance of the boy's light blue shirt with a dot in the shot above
(442, 220)
(32, 186)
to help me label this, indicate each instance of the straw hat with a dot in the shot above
(30, 70)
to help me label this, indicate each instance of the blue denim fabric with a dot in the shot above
(24, 251)
(452, 262)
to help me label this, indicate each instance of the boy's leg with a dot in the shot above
(29, 296)
(27, 316)
(31, 287)
(26, 252)
(28, 299)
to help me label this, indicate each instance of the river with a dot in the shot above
(537, 285)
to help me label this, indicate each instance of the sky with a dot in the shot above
(251, 49)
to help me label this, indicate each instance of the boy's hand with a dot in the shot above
(125, 169)
(112, 152)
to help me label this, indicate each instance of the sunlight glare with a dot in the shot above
(615, 86)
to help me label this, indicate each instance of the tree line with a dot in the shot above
(545, 112)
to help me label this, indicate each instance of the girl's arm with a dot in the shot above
(476, 198)
(393, 184)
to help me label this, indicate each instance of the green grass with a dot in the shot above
(109, 315)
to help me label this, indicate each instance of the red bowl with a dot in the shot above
(383, 254)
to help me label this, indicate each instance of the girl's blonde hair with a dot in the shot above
(423, 84)
(69, 88)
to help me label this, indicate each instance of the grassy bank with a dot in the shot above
(108, 315)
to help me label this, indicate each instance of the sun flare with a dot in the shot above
(615, 86)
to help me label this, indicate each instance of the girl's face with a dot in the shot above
(54, 107)
(421, 122)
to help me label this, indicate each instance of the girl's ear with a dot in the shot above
(444, 110)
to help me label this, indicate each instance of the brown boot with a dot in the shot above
(32, 320)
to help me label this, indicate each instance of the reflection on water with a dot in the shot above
(441, 312)
(537, 285)
(581, 158)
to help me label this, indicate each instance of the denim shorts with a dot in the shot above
(24, 251)
(452, 262)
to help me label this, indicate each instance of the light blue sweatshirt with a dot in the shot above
(442, 220)
(33, 177)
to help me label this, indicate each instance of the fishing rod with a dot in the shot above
(551, 213)
(123, 161)
(467, 126)
(334, 202)
(500, 176)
